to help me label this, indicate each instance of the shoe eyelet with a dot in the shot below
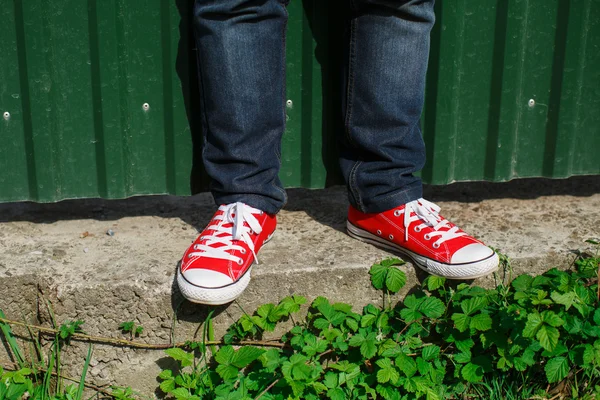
(378, 232)
(436, 246)
(243, 251)
(417, 229)
(240, 262)
(391, 237)
(189, 256)
(397, 213)
(262, 212)
(427, 237)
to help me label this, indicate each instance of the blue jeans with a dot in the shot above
(241, 57)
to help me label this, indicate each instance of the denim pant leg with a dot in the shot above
(241, 58)
(387, 61)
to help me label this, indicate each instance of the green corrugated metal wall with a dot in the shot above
(75, 76)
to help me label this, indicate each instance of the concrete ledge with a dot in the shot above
(105, 280)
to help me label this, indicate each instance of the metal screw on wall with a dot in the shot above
(145, 106)
(531, 103)
(289, 103)
(6, 115)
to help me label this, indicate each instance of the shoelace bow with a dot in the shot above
(428, 213)
(234, 224)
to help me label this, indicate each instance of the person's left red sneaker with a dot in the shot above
(417, 230)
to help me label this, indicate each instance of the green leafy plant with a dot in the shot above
(530, 337)
(32, 383)
(41, 379)
(120, 393)
(132, 328)
(68, 328)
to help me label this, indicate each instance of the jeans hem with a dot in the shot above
(268, 205)
(377, 205)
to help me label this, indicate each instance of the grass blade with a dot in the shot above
(12, 343)
(56, 346)
(37, 349)
(84, 373)
(209, 331)
(56, 352)
(48, 376)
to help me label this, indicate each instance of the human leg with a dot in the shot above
(383, 147)
(241, 57)
(387, 61)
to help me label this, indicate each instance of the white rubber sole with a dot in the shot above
(214, 296)
(472, 270)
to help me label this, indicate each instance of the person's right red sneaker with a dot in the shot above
(216, 268)
(417, 230)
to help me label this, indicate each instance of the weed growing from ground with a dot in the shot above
(32, 380)
(536, 337)
(132, 328)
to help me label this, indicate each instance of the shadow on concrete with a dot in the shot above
(524, 189)
(327, 206)
(165, 363)
(187, 311)
(195, 210)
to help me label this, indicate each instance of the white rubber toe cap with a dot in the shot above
(207, 278)
(471, 253)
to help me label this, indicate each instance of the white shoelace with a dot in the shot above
(428, 213)
(238, 214)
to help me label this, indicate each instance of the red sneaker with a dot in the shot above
(216, 268)
(417, 230)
